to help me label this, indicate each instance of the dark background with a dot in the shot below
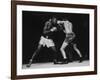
(33, 23)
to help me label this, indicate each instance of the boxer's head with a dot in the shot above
(54, 20)
(65, 19)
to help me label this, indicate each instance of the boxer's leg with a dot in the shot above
(55, 55)
(62, 49)
(34, 54)
(78, 52)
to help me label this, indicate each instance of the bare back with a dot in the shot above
(68, 27)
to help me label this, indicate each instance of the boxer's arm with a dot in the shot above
(46, 28)
(53, 29)
(60, 25)
(60, 22)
